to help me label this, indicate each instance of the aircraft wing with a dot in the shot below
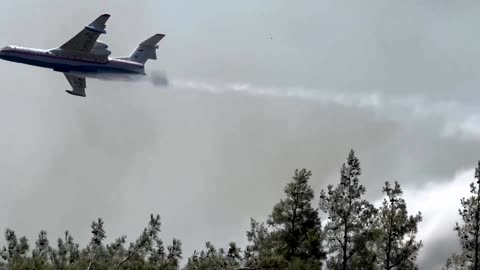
(78, 85)
(85, 39)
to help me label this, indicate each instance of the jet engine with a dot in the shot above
(100, 49)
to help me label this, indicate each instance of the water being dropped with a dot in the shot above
(159, 78)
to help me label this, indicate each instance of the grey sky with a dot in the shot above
(207, 162)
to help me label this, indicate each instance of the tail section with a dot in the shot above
(146, 50)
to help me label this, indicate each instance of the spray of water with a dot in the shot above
(385, 105)
(159, 78)
(390, 106)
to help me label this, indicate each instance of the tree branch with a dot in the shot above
(128, 257)
(91, 260)
(398, 261)
(353, 253)
(339, 241)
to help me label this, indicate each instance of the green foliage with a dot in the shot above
(142, 254)
(356, 234)
(455, 262)
(398, 230)
(351, 220)
(15, 253)
(296, 236)
(159, 259)
(262, 251)
(213, 259)
(469, 230)
(296, 222)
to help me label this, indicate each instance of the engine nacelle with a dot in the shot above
(100, 45)
(100, 49)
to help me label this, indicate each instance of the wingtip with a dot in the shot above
(152, 40)
(105, 15)
(75, 94)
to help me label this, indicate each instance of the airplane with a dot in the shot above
(84, 56)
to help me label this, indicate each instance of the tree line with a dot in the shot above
(353, 234)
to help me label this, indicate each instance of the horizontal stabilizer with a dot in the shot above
(152, 41)
(78, 85)
(146, 50)
(76, 93)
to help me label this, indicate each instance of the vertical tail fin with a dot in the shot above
(146, 50)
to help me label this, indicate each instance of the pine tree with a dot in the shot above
(262, 250)
(213, 259)
(96, 250)
(293, 238)
(297, 223)
(166, 261)
(233, 257)
(398, 245)
(174, 254)
(142, 247)
(469, 230)
(40, 254)
(455, 262)
(351, 220)
(142, 254)
(116, 251)
(16, 252)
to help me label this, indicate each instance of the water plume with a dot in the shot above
(158, 78)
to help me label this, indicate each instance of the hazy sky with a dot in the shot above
(258, 88)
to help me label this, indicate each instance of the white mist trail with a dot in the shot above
(460, 119)
(417, 106)
(363, 100)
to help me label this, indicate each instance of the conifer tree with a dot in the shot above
(468, 230)
(297, 223)
(95, 249)
(16, 252)
(455, 262)
(351, 220)
(398, 245)
(66, 255)
(163, 260)
(40, 254)
(293, 238)
(212, 258)
(142, 247)
(262, 250)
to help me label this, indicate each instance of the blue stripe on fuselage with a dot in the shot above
(67, 68)
(53, 56)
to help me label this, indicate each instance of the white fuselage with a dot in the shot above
(86, 65)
